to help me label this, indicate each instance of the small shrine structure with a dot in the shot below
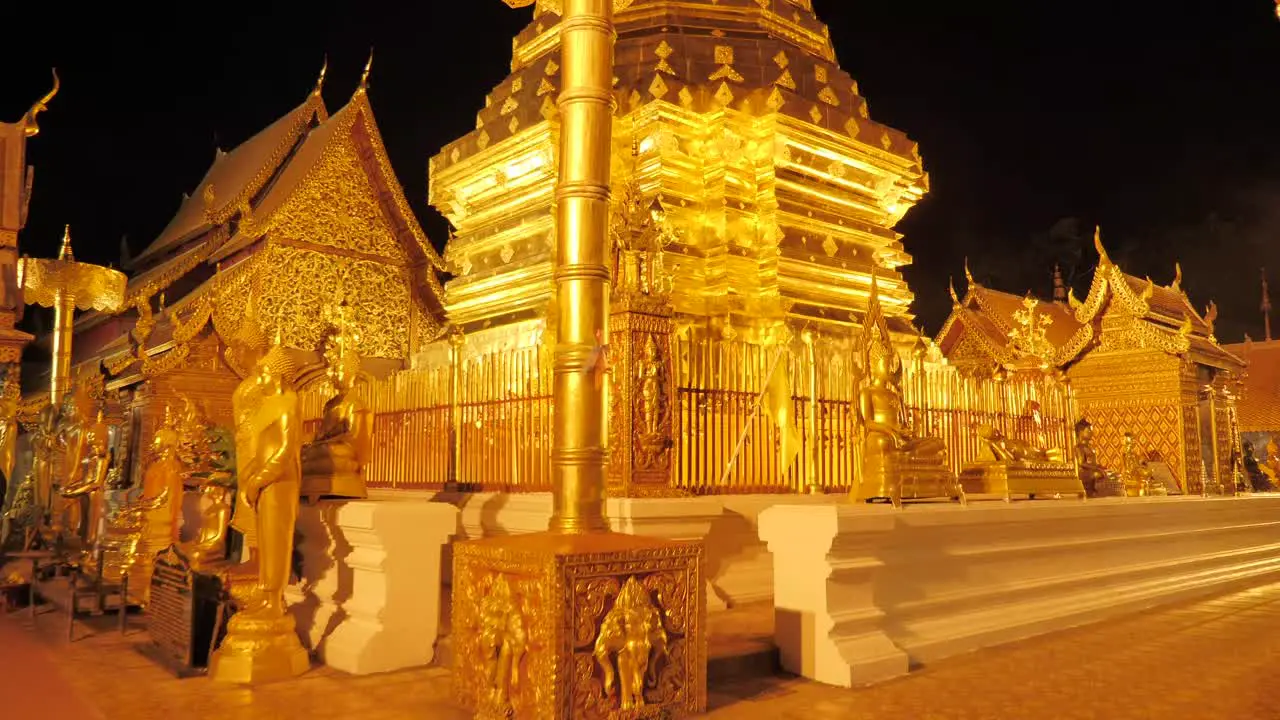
(1139, 359)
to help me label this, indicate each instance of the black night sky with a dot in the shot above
(1036, 120)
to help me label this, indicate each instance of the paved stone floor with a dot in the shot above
(1205, 660)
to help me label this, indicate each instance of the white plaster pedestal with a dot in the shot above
(369, 600)
(858, 589)
(826, 624)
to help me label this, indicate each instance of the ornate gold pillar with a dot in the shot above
(581, 274)
(578, 621)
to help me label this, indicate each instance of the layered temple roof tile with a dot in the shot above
(241, 198)
(235, 177)
(1259, 403)
(986, 317)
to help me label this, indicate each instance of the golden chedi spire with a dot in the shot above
(801, 208)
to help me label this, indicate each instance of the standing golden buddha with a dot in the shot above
(262, 644)
(87, 476)
(332, 463)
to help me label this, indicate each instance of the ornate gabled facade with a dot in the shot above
(306, 213)
(778, 193)
(990, 329)
(1140, 360)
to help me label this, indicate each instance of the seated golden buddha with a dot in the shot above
(1008, 466)
(896, 464)
(161, 521)
(1098, 481)
(333, 461)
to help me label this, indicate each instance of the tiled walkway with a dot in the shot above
(1206, 660)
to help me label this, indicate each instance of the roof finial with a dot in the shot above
(65, 252)
(364, 76)
(30, 128)
(968, 276)
(1266, 305)
(324, 69)
(955, 299)
(1177, 277)
(1097, 244)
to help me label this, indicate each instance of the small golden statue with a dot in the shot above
(210, 543)
(44, 447)
(896, 463)
(333, 462)
(1098, 481)
(1008, 466)
(633, 634)
(88, 478)
(1138, 480)
(151, 523)
(503, 640)
(262, 644)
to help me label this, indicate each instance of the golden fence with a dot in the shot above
(719, 388)
(501, 435)
(503, 425)
(943, 403)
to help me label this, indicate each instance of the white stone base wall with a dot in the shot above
(861, 591)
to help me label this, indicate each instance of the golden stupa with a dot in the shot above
(778, 192)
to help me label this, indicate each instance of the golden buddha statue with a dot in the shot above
(156, 517)
(333, 461)
(88, 478)
(1098, 481)
(210, 543)
(44, 449)
(8, 442)
(897, 464)
(1138, 480)
(1008, 466)
(261, 644)
(247, 347)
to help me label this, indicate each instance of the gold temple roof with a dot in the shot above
(984, 320)
(235, 177)
(1259, 403)
(310, 183)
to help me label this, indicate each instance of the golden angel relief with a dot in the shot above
(652, 407)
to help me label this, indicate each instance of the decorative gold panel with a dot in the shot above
(535, 619)
(293, 285)
(351, 221)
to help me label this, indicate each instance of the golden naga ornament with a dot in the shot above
(332, 463)
(262, 643)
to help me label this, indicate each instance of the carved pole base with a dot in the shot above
(582, 626)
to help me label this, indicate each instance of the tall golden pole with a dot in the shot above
(578, 452)
(505, 587)
(580, 429)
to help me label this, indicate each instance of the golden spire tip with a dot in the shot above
(324, 69)
(364, 76)
(64, 253)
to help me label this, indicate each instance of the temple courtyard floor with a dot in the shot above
(1214, 658)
